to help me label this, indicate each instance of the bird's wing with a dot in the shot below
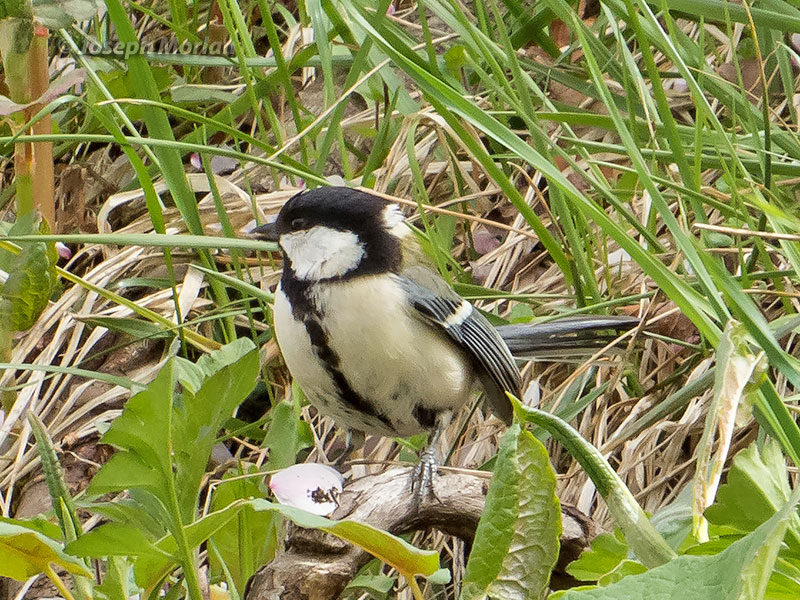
(437, 304)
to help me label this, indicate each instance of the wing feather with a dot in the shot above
(437, 304)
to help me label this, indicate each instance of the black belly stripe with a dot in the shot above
(305, 310)
(319, 340)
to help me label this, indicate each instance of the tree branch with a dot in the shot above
(318, 566)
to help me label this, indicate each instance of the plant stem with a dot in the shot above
(42, 152)
(58, 582)
(412, 583)
(179, 533)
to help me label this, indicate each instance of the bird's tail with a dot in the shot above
(570, 337)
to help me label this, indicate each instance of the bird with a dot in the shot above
(376, 338)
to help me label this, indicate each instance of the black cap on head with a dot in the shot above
(343, 209)
(336, 207)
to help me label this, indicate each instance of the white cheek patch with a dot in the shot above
(322, 252)
(395, 221)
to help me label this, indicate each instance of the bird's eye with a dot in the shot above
(298, 224)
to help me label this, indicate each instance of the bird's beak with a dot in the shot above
(266, 232)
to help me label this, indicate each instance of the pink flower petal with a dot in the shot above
(309, 486)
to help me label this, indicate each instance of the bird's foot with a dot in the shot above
(424, 474)
(425, 471)
(353, 441)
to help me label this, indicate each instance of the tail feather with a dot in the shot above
(567, 337)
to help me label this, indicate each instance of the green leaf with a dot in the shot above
(251, 538)
(742, 570)
(60, 497)
(647, 544)
(606, 553)
(62, 13)
(392, 550)
(138, 328)
(142, 436)
(40, 524)
(164, 441)
(231, 375)
(517, 540)
(131, 511)
(287, 435)
(756, 488)
(31, 280)
(622, 570)
(674, 521)
(27, 552)
(114, 539)
(228, 355)
(117, 580)
(494, 532)
(19, 9)
(455, 59)
(375, 585)
(200, 94)
(150, 569)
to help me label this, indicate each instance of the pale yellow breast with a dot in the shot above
(390, 358)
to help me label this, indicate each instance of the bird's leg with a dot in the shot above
(353, 441)
(422, 483)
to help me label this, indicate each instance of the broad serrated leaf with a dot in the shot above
(756, 488)
(164, 440)
(141, 435)
(198, 417)
(517, 540)
(741, 571)
(27, 552)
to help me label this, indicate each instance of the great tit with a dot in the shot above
(374, 336)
